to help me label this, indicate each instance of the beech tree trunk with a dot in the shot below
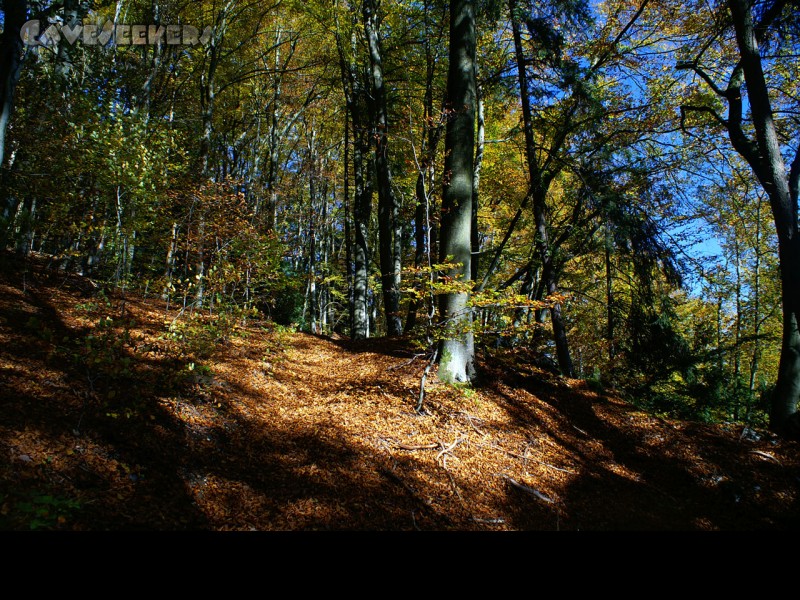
(456, 362)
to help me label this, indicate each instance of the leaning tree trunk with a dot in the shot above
(764, 156)
(456, 362)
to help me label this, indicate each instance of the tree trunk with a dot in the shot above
(767, 162)
(539, 182)
(456, 362)
(609, 304)
(476, 180)
(388, 206)
(10, 63)
(756, 356)
(355, 92)
(348, 237)
(361, 217)
(432, 133)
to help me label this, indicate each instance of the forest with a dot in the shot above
(595, 195)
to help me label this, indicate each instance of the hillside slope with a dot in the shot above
(109, 422)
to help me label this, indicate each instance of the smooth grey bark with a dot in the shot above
(457, 355)
(348, 235)
(72, 14)
(355, 92)
(521, 315)
(756, 356)
(362, 210)
(420, 243)
(389, 230)
(274, 148)
(10, 68)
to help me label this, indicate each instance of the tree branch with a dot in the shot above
(693, 66)
(707, 109)
(794, 177)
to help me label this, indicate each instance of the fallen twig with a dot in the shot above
(528, 489)
(417, 447)
(424, 377)
(544, 464)
(416, 496)
(497, 521)
(523, 457)
(455, 487)
(447, 449)
(411, 447)
(406, 363)
(414, 521)
(765, 455)
(469, 420)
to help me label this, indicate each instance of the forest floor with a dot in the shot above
(110, 422)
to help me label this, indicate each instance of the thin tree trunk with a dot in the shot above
(432, 133)
(355, 93)
(539, 184)
(170, 261)
(389, 230)
(348, 261)
(756, 357)
(476, 180)
(737, 353)
(609, 305)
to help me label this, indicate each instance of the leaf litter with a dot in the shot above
(289, 431)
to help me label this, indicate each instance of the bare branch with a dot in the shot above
(528, 489)
(693, 66)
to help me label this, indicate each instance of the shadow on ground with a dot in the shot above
(104, 426)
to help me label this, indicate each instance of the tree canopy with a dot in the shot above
(610, 187)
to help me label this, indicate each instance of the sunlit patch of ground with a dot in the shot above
(274, 430)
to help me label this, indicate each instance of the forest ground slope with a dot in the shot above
(110, 421)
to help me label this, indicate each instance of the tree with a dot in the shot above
(388, 204)
(10, 62)
(754, 130)
(434, 30)
(355, 85)
(540, 179)
(456, 362)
